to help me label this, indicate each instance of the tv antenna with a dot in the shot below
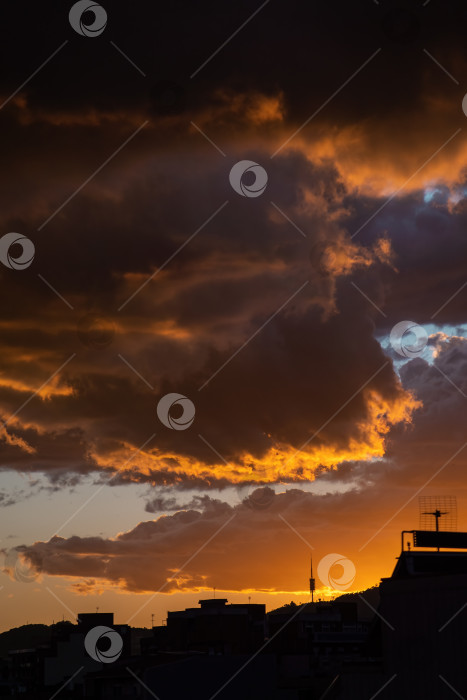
(437, 513)
(442, 508)
(438, 507)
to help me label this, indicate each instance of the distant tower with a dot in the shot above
(312, 581)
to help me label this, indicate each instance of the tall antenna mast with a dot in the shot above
(312, 581)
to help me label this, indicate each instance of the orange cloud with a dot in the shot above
(281, 463)
(344, 256)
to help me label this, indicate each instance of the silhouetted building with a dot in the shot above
(425, 636)
(217, 628)
(38, 672)
(324, 630)
(87, 621)
(313, 642)
(178, 676)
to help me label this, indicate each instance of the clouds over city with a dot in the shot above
(271, 314)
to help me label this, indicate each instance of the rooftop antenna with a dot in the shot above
(437, 507)
(312, 581)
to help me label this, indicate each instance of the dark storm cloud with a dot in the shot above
(249, 260)
(439, 431)
(430, 252)
(311, 49)
(285, 384)
(180, 329)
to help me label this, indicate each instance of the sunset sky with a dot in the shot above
(271, 314)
